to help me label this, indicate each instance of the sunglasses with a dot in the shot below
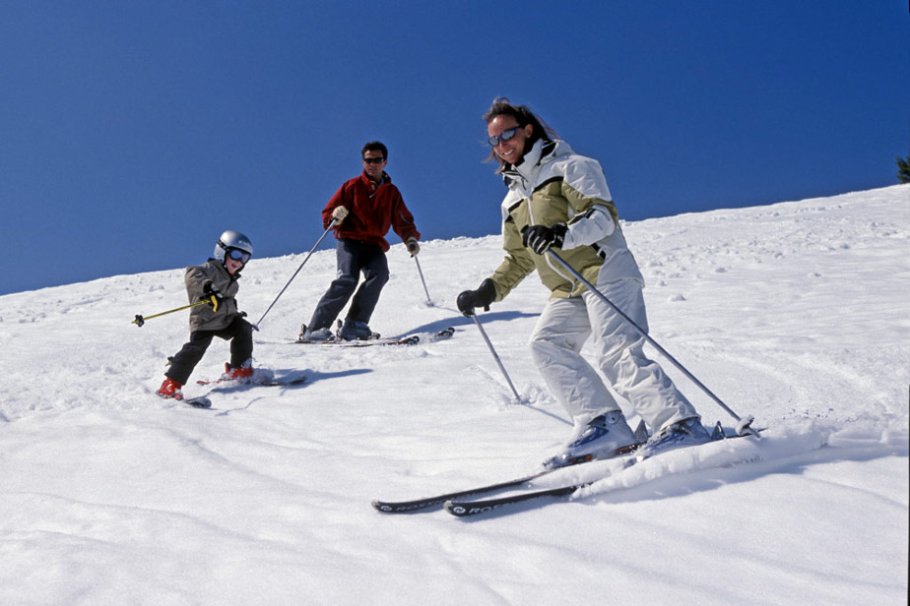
(374, 160)
(503, 136)
(238, 255)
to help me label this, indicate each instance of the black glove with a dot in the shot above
(482, 297)
(541, 238)
(212, 296)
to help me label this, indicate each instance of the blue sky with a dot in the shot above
(133, 133)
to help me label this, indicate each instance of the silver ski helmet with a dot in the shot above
(233, 240)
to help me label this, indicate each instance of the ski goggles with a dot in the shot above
(238, 255)
(503, 136)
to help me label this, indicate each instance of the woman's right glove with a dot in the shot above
(482, 297)
(541, 238)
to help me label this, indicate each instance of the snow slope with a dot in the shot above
(796, 313)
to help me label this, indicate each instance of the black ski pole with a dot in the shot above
(307, 258)
(743, 426)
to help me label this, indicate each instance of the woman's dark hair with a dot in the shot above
(523, 115)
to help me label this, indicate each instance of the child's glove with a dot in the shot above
(212, 296)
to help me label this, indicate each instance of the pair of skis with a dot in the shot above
(337, 341)
(297, 378)
(458, 504)
(461, 505)
(293, 378)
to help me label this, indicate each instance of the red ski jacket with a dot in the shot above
(371, 212)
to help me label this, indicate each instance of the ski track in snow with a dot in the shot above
(793, 312)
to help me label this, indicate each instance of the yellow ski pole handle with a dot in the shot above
(139, 320)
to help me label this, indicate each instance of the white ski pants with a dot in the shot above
(564, 327)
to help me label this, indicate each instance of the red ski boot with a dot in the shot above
(170, 389)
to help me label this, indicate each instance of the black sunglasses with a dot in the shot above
(374, 160)
(503, 136)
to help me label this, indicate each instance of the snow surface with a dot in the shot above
(796, 313)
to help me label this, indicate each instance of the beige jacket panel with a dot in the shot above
(555, 185)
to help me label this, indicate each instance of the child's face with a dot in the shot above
(232, 266)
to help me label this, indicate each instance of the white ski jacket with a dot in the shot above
(554, 185)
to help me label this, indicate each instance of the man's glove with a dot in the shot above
(412, 246)
(212, 296)
(482, 297)
(541, 238)
(339, 214)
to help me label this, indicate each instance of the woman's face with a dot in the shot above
(507, 139)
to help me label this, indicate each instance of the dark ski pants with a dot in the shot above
(353, 258)
(239, 332)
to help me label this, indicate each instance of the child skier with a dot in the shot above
(215, 282)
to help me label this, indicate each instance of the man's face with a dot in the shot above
(373, 164)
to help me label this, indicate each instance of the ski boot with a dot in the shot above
(170, 389)
(353, 330)
(688, 432)
(605, 436)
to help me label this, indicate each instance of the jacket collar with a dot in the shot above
(220, 268)
(523, 173)
(367, 181)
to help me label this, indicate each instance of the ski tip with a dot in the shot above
(200, 402)
(405, 506)
(387, 507)
(463, 510)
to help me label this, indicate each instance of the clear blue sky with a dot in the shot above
(133, 132)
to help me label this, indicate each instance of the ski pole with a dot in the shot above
(139, 320)
(307, 258)
(424, 282)
(743, 425)
(496, 357)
